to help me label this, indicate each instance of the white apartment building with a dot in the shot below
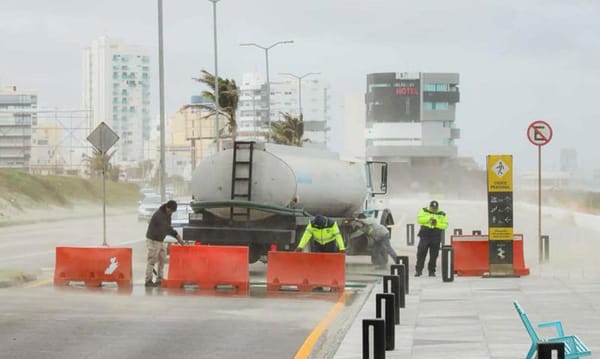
(116, 90)
(285, 98)
(18, 113)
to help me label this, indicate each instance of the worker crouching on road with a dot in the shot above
(325, 234)
(378, 236)
(433, 221)
(158, 228)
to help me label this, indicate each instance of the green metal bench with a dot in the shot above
(574, 347)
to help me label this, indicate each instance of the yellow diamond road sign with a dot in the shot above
(103, 137)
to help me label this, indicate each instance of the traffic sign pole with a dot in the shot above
(539, 133)
(539, 204)
(103, 138)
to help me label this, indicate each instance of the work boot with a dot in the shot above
(418, 274)
(150, 284)
(432, 274)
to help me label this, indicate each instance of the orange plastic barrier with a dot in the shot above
(208, 267)
(518, 257)
(472, 253)
(93, 265)
(306, 270)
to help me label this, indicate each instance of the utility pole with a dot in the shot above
(266, 49)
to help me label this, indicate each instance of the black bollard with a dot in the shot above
(400, 270)
(447, 263)
(457, 231)
(391, 284)
(389, 317)
(410, 234)
(544, 350)
(378, 338)
(476, 232)
(404, 260)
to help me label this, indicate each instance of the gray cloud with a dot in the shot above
(519, 60)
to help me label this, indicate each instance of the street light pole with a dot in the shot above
(267, 48)
(299, 78)
(216, 73)
(161, 85)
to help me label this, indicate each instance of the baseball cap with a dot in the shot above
(434, 204)
(319, 221)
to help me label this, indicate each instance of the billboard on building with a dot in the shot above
(391, 99)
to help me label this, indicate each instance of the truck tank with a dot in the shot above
(285, 176)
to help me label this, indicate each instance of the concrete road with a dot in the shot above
(40, 321)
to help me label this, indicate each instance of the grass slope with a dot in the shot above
(23, 190)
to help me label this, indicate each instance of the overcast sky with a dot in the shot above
(519, 60)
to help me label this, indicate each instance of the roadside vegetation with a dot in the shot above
(22, 190)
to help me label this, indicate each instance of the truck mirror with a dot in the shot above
(378, 172)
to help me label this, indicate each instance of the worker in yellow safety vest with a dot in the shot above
(433, 221)
(325, 234)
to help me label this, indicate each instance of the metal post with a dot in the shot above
(268, 96)
(410, 234)
(299, 78)
(161, 86)
(457, 231)
(545, 350)
(217, 137)
(546, 245)
(447, 263)
(389, 315)
(391, 284)
(400, 271)
(539, 204)
(378, 338)
(104, 200)
(476, 232)
(300, 97)
(404, 260)
(266, 49)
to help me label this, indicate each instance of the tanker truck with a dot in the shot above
(262, 195)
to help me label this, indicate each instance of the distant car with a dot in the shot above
(179, 219)
(147, 191)
(147, 207)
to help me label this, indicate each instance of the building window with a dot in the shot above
(435, 106)
(436, 87)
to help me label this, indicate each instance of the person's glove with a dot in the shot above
(298, 249)
(433, 222)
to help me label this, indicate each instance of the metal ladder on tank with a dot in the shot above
(241, 178)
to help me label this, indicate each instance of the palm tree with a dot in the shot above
(228, 99)
(289, 131)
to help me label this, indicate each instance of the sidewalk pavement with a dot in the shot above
(474, 317)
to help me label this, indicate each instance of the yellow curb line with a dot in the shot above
(39, 283)
(312, 338)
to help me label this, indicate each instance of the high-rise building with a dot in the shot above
(116, 90)
(190, 137)
(17, 116)
(410, 117)
(285, 98)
